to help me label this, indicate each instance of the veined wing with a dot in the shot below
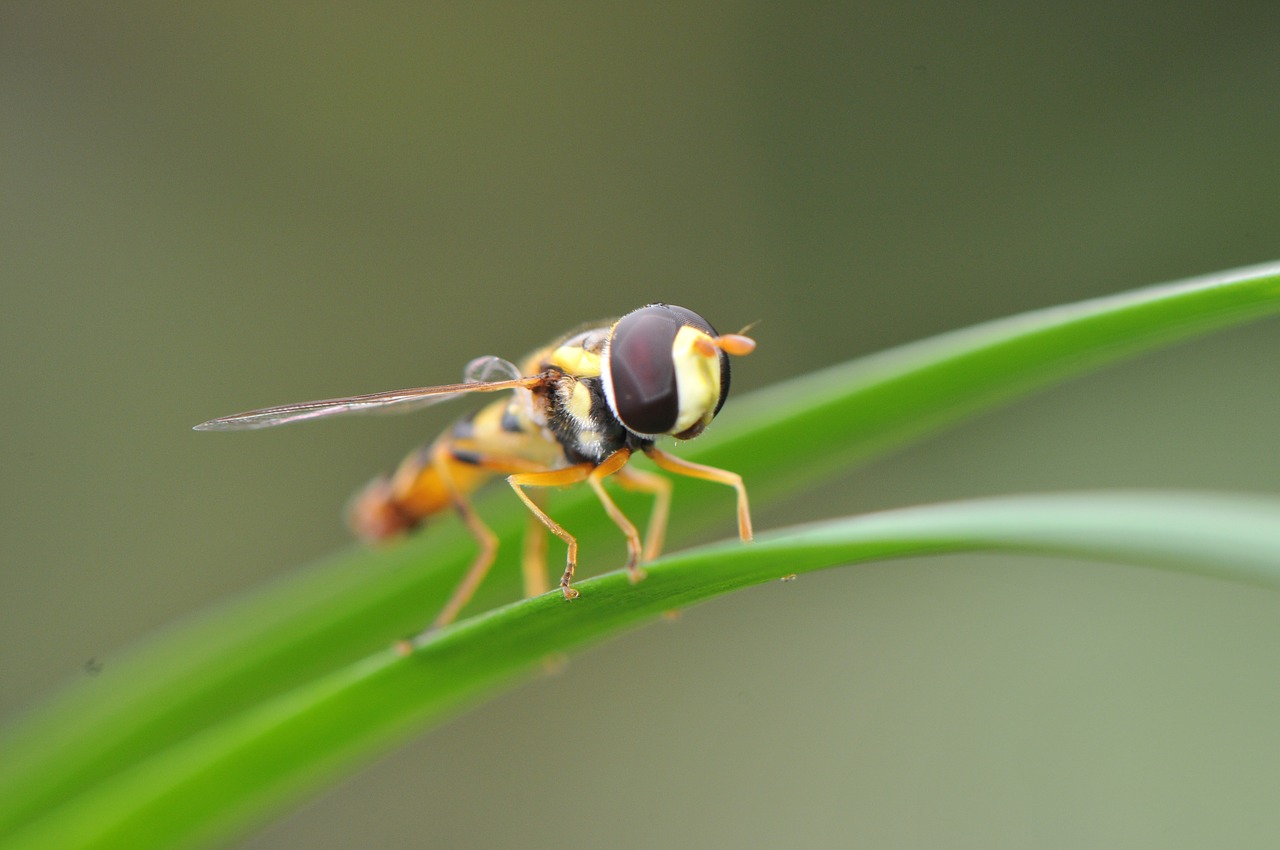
(394, 401)
(482, 370)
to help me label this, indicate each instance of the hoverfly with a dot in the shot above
(582, 406)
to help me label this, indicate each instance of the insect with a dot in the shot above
(582, 406)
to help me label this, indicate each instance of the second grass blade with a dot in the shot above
(217, 781)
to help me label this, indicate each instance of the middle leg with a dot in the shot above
(593, 474)
(444, 460)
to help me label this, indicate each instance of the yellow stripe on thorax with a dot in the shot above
(575, 360)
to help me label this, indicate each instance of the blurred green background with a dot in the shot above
(209, 208)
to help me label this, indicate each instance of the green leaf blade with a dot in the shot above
(222, 779)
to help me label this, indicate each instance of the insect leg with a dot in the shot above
(443, 460)
(613, 463)
(679, 466)
(533, 558)
(660, 488)
(575, 474)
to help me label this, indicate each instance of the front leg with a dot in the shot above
(679, 466)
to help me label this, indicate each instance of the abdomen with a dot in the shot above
(470, 453)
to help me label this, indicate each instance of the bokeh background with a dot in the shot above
(209, 207)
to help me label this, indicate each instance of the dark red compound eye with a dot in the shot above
(643, 374)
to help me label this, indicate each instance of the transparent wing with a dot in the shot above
(483, 370)
(395, 401)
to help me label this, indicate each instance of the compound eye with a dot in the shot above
(641, 371)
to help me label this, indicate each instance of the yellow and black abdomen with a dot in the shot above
(498, 438)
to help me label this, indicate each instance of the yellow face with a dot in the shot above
(697, 381)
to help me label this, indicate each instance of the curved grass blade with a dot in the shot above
(859, 409)
(327, 616)
(224, 778)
